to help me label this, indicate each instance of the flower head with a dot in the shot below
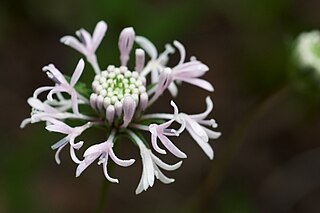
(102, 151)
(117, 101)
(308, 50)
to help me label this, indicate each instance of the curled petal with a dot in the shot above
(164, 179)
(182, 51)
(148, 46)
(41, 90)
(120, 162)
(203, 115)
(105, 171)
(74, 43)
(165, 166)
(171, 147)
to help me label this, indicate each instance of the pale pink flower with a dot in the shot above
(183, 72)
(71, 132)
(161, 131)
(102, 151)
(195, 126)
(151, 164)
(62, 84)
(86, 44)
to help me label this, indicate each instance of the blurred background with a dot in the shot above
(268, 158)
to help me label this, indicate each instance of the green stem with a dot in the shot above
(103, 196)
(232, 147)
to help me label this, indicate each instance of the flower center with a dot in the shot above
(113, 85)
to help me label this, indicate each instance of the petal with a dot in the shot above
(98, 34)
(125, 44)
(154, 136)
(129, 106)
(171, 147)
(55, 73)
(165, 79)
(85, 163)
(74, 43)
(164, 165)
(74, 102)
(190, 69)
(140, 58)
(164, 179)
(56, 156)
(199, 83)
(148, 46)
(74, 156)
(195, 129)
(139, 188)
(77, 73)
(60, 143)
(25, 122)
(86, 39)
(212, 134)
(120, 162)
(58, 128)
(203, 115)
(182, 51)
(41, 90)
(173, 89)
(105, 171)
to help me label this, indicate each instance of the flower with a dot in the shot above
(87, 44)
(308, 50)
(62, 84)
(151, 164)
(71, 132)
(117, 102)
(102, 150)
(161, 132)
(198, 132)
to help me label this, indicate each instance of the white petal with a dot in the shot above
(164, 179)
(105, 171)
(173, 89)
(74, 43)
(165, 166)
(203, 115)
(77, 73)
(148, 46)
(120, 162)
(182, 51)
(41, 90)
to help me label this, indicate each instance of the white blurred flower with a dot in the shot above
(308, 50)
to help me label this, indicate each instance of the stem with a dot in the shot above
(105, 184)
(103, 196)
(237, 138)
